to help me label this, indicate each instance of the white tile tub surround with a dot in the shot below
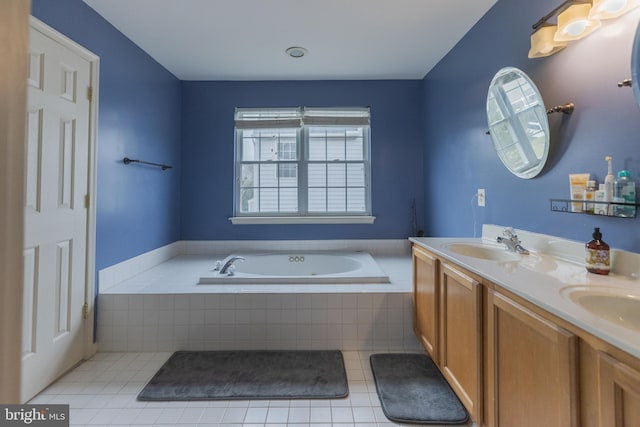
(169, 322)
(164, 309)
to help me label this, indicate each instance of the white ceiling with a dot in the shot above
(246, 39)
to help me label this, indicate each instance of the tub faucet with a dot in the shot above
(225, 268)
(512, 242)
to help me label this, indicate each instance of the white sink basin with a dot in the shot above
(482, 251)
(617, 305)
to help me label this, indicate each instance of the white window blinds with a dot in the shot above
(302, 162)
(254, 118)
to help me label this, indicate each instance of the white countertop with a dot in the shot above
(544, 279)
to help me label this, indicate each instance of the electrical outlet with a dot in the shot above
(481, 200)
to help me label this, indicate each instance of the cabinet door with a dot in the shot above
(425, 300)
(461, 336)
(619, 393)
(531, 368)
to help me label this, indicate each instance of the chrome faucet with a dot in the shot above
(512, 242)
(225, 268)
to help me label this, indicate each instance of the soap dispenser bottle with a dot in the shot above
(597, 254)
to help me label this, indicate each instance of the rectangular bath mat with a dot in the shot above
(226, 375)
(412, 390)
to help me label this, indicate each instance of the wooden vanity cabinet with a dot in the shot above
(448, 323)
(532, 372)
(425, 300)
(512, 363)
(618, 393)
(461, 336)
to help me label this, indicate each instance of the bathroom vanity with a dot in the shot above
(529, 340)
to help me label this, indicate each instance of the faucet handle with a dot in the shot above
(231, 270)
(508, 232)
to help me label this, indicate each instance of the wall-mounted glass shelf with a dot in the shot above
(599, 208)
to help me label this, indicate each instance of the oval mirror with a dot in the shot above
(635, 65)
(518, 122)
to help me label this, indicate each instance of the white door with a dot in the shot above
(58, 114)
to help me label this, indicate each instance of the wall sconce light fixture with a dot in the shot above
(543, 44)
(606, 9)
(575, 19)
(574, 23)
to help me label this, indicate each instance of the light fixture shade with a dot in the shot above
(574, 23)
(607, 9)
(543, 44)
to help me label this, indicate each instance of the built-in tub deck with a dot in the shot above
(182, 274)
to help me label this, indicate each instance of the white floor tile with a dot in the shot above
(256, 415)
(82, 416)
(363, 415)
(191, 415)
(125, 416)
(103, 391)
(234, 415)
(342, 415)
(299, 415)
(320, 415)
(212, 415)
(148, 416)
(104, 416)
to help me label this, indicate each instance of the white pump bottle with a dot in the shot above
(609, 181)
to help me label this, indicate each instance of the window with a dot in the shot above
(302, 163)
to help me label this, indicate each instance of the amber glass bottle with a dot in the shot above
(597, 254)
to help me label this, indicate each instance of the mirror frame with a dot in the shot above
(512, 117)
(635, 65)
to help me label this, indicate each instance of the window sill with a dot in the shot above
(302, 219)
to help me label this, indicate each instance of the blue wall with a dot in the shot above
(207, 154)
(137, 207)
(459, 156)
(428, 137)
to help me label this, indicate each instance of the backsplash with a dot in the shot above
(623, 263)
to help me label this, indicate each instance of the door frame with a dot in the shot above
(89, 346)
(14, 28)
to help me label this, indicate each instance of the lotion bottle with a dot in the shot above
(597, 254)
(600, 207)
(624, 192)
(589, 197)
(609, 181)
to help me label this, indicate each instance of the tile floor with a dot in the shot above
(102, 391)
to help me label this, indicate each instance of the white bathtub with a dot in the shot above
(300, 268)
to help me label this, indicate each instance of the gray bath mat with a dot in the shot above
(213, 375)
(412, 390)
